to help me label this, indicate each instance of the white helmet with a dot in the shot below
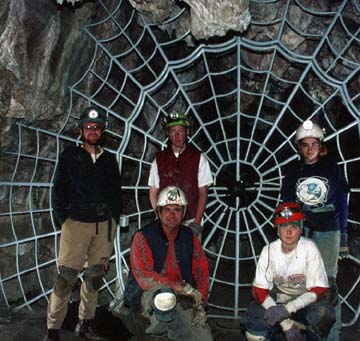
(309, 129)
(164, 302)
(171, 195)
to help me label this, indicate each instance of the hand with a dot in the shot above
(344, 249)
(344, 252)
(197, 228)
(189, 291)
(178, 287)
(59, 221)
(292, 334)
(276, 314)
(199, 316)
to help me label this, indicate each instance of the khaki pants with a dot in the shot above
(80, 243)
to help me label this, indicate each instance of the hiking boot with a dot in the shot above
(52, 335)
(87, 330)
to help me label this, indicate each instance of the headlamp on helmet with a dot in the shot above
(287, 212)
(309, 129)
(176, 119)
(92, 115)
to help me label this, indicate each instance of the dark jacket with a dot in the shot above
(329, 183)
(86, 191)
(158, 243)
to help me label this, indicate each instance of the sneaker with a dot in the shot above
(86, 329)
(52, 335)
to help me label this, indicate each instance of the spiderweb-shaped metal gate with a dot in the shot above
(244, 95)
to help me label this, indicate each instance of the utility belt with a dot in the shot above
(321, 209)
(92, 213)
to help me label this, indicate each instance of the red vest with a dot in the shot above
(181, 172)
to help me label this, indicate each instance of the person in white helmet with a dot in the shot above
(318, 184)
(169, 276)
(289, 285)
(182, 165)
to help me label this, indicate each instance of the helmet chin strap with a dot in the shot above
(158, 212)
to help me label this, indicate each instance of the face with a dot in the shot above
(171, 216)
(309, 149)
(177, 136)
(92, 133)
(289, 234)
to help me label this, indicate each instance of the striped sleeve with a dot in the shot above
(200, 269)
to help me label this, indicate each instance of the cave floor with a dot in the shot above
(30, 325)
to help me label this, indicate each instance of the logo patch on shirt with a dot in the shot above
(312, 191)
(296, 279)
(279, 280)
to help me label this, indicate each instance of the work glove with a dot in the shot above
(199, 316)
(197, 228)
(344, 249)
(292, 334)
(276, 314)
(189, 291)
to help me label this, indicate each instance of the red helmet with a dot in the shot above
(286, 212)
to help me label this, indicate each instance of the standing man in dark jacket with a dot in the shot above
(182, 165)
(86, 203)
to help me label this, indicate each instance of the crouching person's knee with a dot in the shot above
(94, 277)
(65, 281)
(254, 326)
(321, 320)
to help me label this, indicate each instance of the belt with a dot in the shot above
(322, 209)
(109, 229)
(90, 210)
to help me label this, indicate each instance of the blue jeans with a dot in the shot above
(335, 331)
(318, 318)
(328, 243)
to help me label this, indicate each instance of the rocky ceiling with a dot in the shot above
(245, 83)
(207, 18)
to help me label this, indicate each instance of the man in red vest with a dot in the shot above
(180, 164)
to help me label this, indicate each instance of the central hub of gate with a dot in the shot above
(237, 185)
